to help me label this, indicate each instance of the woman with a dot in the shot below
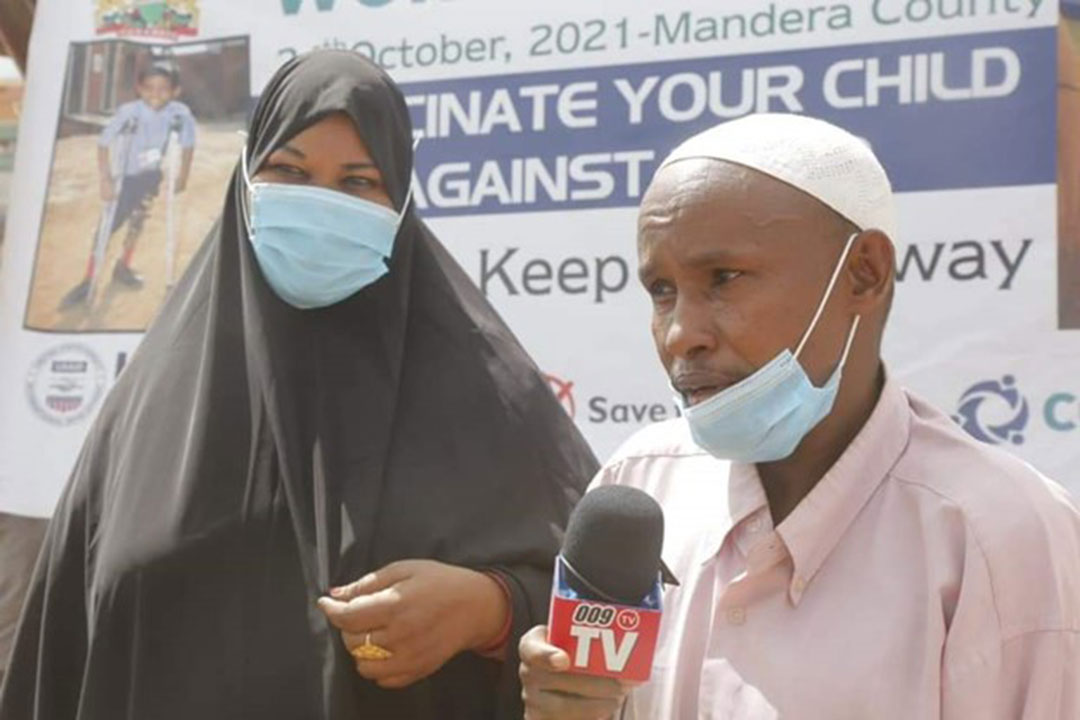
(297, 418)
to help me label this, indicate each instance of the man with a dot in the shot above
(859, 557)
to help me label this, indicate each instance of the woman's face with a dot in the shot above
(329, 154)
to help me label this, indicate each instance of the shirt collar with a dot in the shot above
(813, 529)
(746, 496)
(745, 492)
(815, 526)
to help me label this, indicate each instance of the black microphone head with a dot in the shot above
(613, 543)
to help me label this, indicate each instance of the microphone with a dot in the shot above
(606, 596)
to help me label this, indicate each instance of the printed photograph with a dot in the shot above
(147, 139)
(1068, 169)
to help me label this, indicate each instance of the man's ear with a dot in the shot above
(871, 268)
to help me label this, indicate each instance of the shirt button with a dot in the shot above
(799, 585)
(754, 525)
(736, 616)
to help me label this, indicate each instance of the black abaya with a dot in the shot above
(252, 455)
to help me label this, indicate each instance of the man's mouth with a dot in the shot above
(699, 395)
(696, 388)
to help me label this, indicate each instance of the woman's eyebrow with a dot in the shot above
(293, 151)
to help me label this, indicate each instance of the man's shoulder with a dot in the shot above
(982, 479)
(1026, 526)
(661, 456)
(668, 439)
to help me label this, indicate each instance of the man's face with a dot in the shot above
(156, 91)
(735, 263)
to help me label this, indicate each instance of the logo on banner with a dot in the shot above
(65, 384)
(994, 411)
(603, 410)
(564, 393)
(168, 19)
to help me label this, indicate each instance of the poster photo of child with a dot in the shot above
(1068, 169)
(147, 140)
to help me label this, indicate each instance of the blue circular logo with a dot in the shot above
(994, 412)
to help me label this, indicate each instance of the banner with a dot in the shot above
(540, 126)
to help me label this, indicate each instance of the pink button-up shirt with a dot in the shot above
(925, 576)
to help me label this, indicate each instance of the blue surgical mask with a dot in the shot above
(316, 246)
(765, 416)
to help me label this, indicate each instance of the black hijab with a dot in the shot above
(252, 455)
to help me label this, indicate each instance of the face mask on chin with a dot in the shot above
(765, 416)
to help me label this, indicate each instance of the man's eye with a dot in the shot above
(720, 277)
(660, 289)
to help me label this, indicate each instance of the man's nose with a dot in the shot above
(690, 330)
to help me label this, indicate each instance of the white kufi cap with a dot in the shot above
(824, 161)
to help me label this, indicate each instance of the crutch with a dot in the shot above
(171, 152)
(118, 162)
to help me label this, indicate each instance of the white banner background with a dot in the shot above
(949, 332)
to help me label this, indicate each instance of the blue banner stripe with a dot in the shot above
(929, 143)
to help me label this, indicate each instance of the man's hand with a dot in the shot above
(551, 693)
(424, 612)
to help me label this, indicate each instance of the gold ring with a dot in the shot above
(370, 651)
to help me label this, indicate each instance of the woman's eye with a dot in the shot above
(359, 182)
(290, 171)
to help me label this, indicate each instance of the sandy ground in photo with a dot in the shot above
(72, 211)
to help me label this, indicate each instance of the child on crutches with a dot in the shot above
(135, 140)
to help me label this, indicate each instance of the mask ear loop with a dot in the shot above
(245, 210)
(825, 299)
(850, 340)
(409, 194)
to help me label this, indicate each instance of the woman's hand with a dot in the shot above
(422, 611)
